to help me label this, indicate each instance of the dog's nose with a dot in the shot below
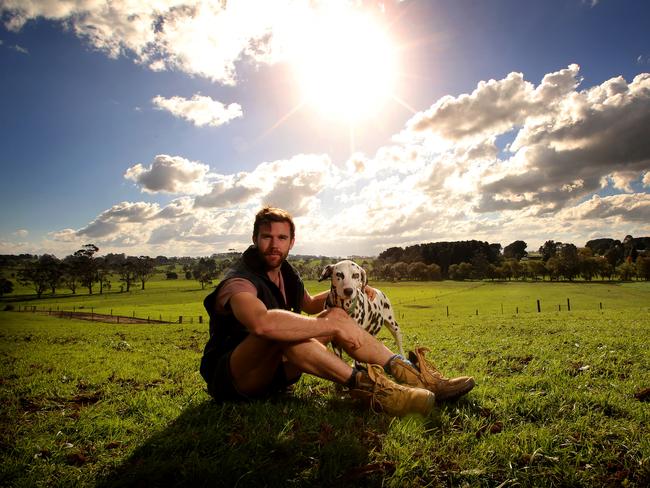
(348, 291)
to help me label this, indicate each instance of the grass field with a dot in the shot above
(88, 403)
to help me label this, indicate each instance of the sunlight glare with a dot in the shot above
(345, 66)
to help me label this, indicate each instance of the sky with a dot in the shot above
(160, 127)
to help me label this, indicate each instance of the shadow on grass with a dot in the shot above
(286, 441)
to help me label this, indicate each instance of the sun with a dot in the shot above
(345, 65)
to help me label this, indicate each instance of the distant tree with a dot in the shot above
(36, 275)
(626, 271)
(605, 269)
(569, 261)
(513, 268)
(87, 266)
(6, 286)
(589, 268)
(103, 268)
(535, 269)
(615, 255)
(399, 271)
(433, 272)
(549, 249)
(145, 268)
(643, 268)
(204, 271)
(127, 271)
(171, 275)
(515, 250)
(460, 272)
(53, 269)
(392, 254)
(417, 271)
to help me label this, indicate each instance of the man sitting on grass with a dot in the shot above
(260, 343)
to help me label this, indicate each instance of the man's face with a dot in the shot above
(274, 242)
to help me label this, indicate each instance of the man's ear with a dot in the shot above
(327, 272)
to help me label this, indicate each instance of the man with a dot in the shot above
(260, 343)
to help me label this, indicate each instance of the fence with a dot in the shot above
(538, 307)
(110, 317)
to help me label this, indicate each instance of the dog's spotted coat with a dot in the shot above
(348, 280)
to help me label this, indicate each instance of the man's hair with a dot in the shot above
(272, 214)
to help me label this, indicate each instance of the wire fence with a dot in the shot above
(84, 314)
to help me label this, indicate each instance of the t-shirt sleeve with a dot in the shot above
(230, 288)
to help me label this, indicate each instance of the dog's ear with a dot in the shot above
(364, 277)
(327, 272)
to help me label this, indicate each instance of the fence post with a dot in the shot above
(447, 310)
(200, 319)
(568, 304)
(539, 308)
(180, 319)
(477, 311)
(517, 310)
(502, 309)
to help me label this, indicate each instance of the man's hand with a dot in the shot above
(348, 334)
(370, 291)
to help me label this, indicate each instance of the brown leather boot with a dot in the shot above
(385, 395)
(425, 375)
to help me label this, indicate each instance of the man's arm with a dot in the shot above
(285, 326)
(314, 304)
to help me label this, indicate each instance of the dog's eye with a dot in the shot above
(355, 276)
(339, 275)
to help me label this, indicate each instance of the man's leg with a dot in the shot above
(253, 365)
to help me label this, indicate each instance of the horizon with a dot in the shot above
(162, 132)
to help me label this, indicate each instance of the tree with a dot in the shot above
(86, 266)
(399, 271)
(626, 271)
(569, 262)
(204, 271)
(417, 271)
(535, 269)
(127, 271)
(643, 267)
(6, 286)
(515, 250)
(34, 274)
(549, 249)
(144, 268)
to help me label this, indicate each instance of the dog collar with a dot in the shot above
(353, 307)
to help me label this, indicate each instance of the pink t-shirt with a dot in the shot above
(239, 285)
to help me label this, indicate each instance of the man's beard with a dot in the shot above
(273, 259)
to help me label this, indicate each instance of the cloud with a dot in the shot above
(572, 172)
(199, 37)
(291, 184)
(170, 174)
(600, 133)
(493, 108)
(200, 110)
(627, 207)
(22, 233)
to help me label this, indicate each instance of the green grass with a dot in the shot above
(123, 405)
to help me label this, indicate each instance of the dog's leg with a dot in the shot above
(397, 334)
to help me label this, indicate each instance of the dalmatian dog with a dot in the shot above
(347, 292)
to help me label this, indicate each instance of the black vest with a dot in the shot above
(226, 332)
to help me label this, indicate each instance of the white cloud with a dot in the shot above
(569, 144)
(21, 233)
(170, 174)
(200, 110)
(291, 184)
(199, 37)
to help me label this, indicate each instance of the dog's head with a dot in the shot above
(347, 278)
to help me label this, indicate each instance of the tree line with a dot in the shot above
(458, 260)
(461, 260)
